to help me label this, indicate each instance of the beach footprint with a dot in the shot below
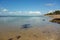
(10, 39)
(15, 38)
(18, 37)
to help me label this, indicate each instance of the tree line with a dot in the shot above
(57, 12)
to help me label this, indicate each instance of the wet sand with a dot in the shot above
(38, 28)
(34, 33)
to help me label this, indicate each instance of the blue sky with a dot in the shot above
(28, 7)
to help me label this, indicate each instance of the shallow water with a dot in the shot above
(8, 24)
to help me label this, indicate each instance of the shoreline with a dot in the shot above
(53, 16)
(56, 18)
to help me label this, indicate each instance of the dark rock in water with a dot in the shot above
(56, 20)
(43, 19)
(18, 37)
(10, 39)
(26, 26)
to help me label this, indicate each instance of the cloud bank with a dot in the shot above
(21, 13)
(49, 4)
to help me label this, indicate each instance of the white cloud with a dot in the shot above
(14, 12)
(49, 4)
(51, 11)
(11, 12)
(4, 10)
(7, 12)
(34, 12)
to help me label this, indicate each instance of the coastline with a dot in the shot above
(53, 16)
(56, 18)
(45, 32)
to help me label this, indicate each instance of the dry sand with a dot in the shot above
(54, 16)
(34, 33)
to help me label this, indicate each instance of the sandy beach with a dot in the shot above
(39, 28)
(29, 19)
(44, 33)
(54, 16)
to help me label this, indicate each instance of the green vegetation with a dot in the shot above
(55, 20)
(57, 12)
